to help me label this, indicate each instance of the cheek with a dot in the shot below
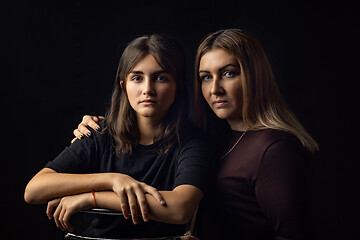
(171, 93)
(205, 90)
(131, 94)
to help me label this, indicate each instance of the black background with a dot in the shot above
(60, 61)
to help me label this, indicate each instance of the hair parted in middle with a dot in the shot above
(261, 98)
(121, 118)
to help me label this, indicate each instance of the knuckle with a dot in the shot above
(123, 206)
(121, 191)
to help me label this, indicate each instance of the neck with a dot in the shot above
(238, 125)
(147, 129)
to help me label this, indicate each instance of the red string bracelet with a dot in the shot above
(93, 194)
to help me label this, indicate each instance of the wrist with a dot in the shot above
(94, 199)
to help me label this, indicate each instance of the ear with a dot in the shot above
(122, 84)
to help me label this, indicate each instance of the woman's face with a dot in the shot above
(221, 78)
(150, 89)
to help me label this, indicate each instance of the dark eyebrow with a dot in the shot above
(154, 73)
(159, 72)
(228, 65)
(222, 68)
(136, 72)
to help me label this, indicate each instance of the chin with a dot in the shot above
(222, 115)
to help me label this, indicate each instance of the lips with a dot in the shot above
(147, 101)
(220, 103)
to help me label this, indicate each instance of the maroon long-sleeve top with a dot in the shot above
(261, 190)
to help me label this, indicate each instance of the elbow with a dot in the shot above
(183, 219)
(184, 215)
(30, 195)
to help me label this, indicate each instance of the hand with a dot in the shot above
(87, 121)
(132, 196)
(66, 207)
(188, 236)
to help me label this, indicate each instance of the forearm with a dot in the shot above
(179, 208)
(48, 184)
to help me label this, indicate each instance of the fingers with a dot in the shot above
(77, 134)
(66, 221)
(188, 236)
(83, 127)
(155, 193)
(50, 207)
(124, 203)
(144, 209)
(132, 199)
(92, 121)
(57, 216)
(133, 207)
(61, 215)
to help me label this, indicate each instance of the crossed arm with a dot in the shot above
(72, 192)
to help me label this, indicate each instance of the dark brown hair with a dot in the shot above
(121, 118)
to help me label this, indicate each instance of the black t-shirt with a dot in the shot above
(187, 163)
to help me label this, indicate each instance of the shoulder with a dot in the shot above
(270, 136)
(98, 139)
(190, 132)
(263, 139)
(282, 147)
(267, 141)
(193, 141)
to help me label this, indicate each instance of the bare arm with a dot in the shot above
(180, 207)
(48, 184)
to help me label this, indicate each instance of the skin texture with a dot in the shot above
(151, 91)
(221, 86)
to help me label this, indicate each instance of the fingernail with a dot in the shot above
(98, 128)
(88, 134)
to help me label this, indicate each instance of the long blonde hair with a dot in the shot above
(263, 105)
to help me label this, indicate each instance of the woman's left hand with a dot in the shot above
(66, 207)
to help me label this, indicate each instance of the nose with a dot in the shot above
(148, 88)
(216, 88)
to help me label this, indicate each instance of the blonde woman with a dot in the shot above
(262, 177)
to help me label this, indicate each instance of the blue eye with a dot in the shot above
(161, 78)
(136, 79)
(205, 78)
(229, 74)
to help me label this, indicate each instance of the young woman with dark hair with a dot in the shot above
(148, 160)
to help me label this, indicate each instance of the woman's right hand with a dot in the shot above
(132, 196)
(87, 121)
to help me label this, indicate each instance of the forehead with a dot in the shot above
(147, 64)
(215, 59)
